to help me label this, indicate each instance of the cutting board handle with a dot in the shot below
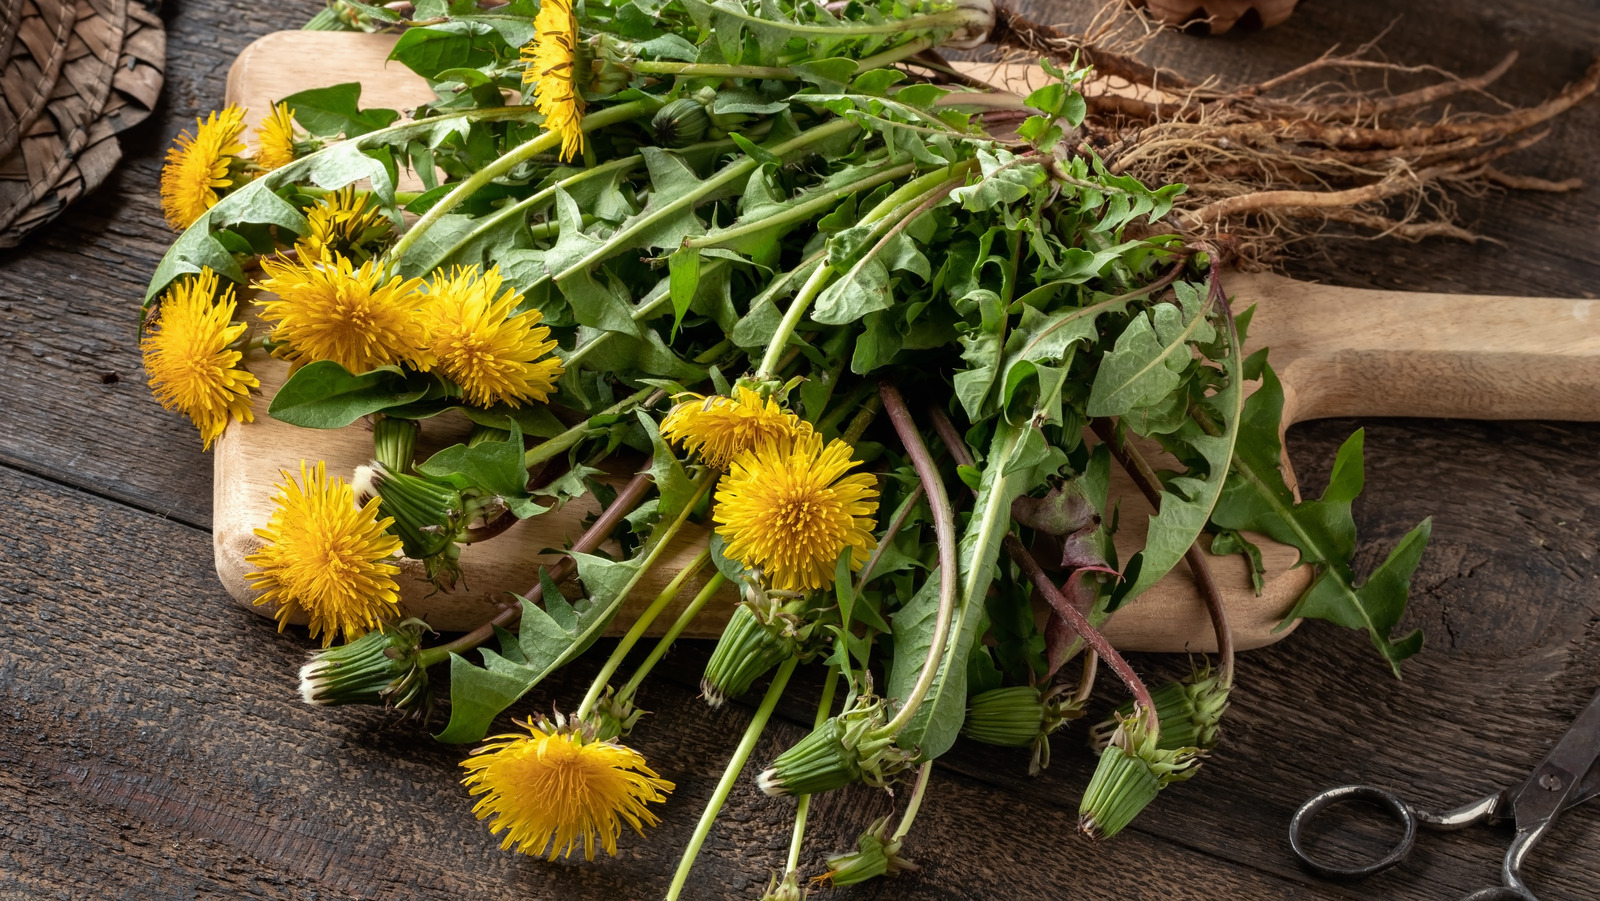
(1353, 352)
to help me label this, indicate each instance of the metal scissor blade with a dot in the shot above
(1564, 774)
(1587, 789)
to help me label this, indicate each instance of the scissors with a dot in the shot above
(1565, 778)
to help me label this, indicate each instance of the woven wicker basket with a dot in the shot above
(74, 74)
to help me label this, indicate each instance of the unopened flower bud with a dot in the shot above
(750, 646)
(394, 442)
(680, 123)
(1020, 716)
(876, 855)
(428, 517)
(854, 746)
(1131, 772)
(1190, 710)
(379, 668)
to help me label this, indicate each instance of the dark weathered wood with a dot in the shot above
(152, 747)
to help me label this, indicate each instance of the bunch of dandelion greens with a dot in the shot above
(719, 245)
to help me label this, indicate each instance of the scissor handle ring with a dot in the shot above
(1319, 802)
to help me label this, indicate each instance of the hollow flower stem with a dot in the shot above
(513, 158)
(730, 775)
(667, 595)
(1080, 624)
(945, 535)
(682, 622)
(803, 804)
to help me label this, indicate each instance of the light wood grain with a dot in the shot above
(1339, 352)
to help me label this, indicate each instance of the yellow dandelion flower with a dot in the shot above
(191, 366)
(494, 356)
(344, 223)
(552, 788)
(720, 428)
(197, 166)
(328, 557)
(552, 70)
(275, 139)
(788, 508)
(332, 310)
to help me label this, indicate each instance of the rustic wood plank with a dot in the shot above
(154, 781)
(122, 771)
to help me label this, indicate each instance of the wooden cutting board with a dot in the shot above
(1339, 352)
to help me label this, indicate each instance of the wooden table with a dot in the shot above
(153, 747)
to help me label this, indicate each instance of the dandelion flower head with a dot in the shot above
(789, 508)
(720, 428)
(328, 557)
(187, 355)
(197, 166)
(344, 223)
(329, 309)
(495, 357)
(275, 139)
(551, 789)
(553, 71)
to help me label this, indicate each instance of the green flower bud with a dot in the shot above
(1009, 717)
(429, 517)
(613, 716)
(854, 746)
(1190, 711)
(876, 855)
(750, 646)
(680, 123)
(394, 442)
(1020, 716)
(1131, 772)
(379, 668)
(482, 433)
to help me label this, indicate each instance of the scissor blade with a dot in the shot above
(1565, 772)
(1587, 789)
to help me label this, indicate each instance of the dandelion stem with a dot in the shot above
(1145, 477)
(791, 320)
(658, 542)
(895, 211)
(803, 803)
(863, 418)
(707, 591)
(708, 70)
(513, 158)
(667, 595)
(1080, 624)
(730, 775)
(915, 804)
(801, 211)
(548, 448)
(728, 176)
(945, 534)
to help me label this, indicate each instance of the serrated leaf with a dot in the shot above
(1188, 499)
(674, 487)
(494, 467)
(1148, 359)
(546, 641)
(1324, 531)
